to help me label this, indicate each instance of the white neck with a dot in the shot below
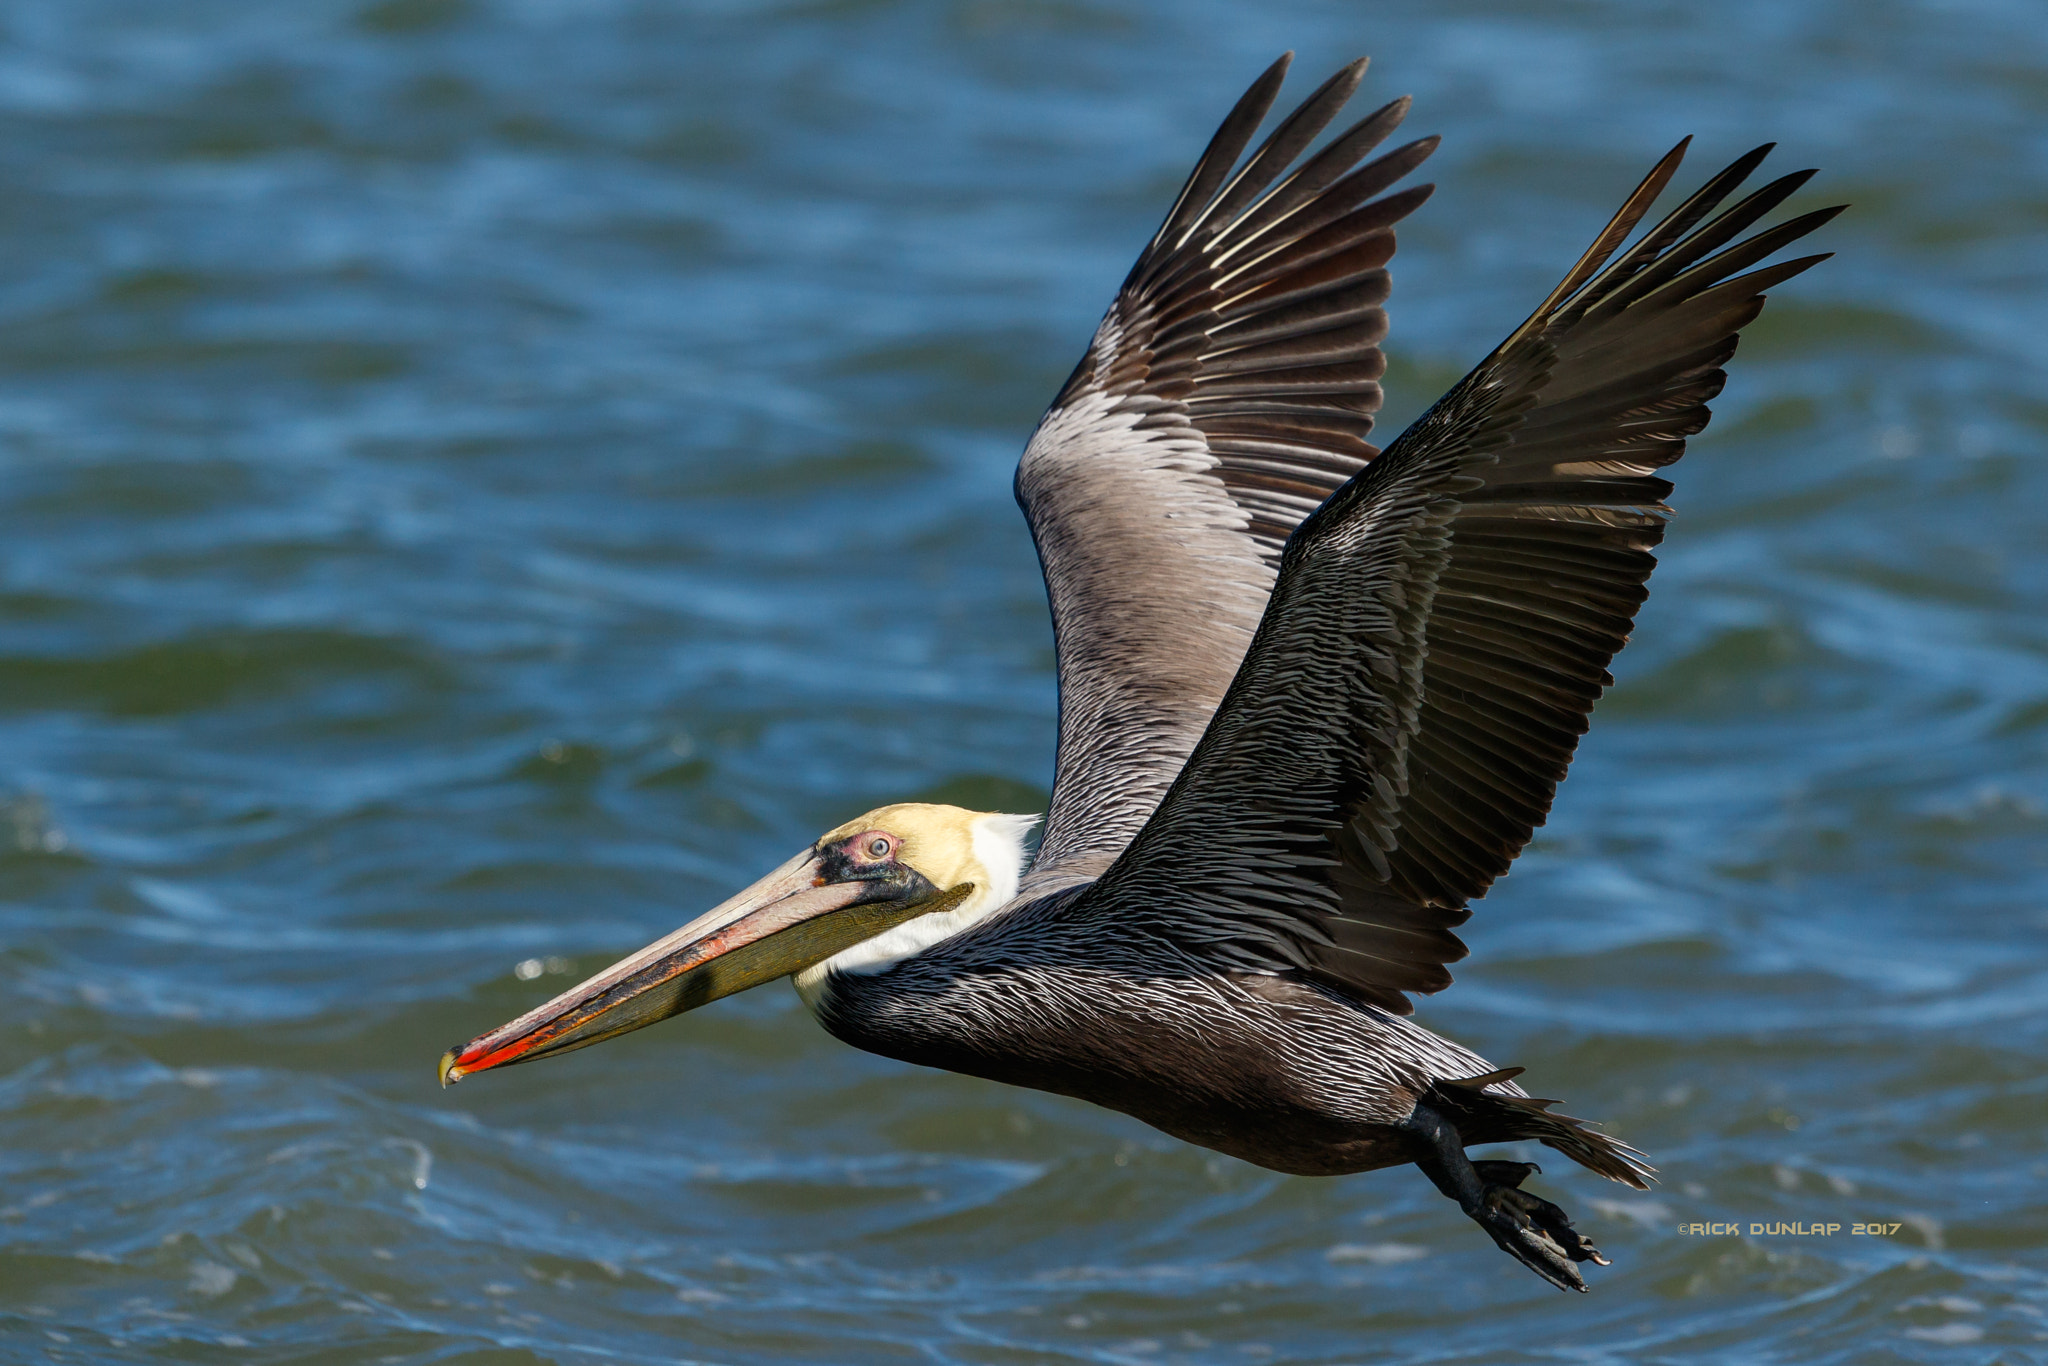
(998, 842)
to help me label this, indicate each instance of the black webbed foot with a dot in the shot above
(1535, 1233)
(1543, 1214)
(1528, 1228)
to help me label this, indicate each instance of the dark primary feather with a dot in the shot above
(1441, 627)
(1227, 393)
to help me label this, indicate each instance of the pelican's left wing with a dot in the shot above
(1441, 627)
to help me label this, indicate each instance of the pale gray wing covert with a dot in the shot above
(1441, 627)
(1226, 394)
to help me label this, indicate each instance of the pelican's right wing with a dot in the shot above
(1227, 392)
(1441, 628)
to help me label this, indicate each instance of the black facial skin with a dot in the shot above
(888, 879)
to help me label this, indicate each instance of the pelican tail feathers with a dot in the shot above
(1490, 1109)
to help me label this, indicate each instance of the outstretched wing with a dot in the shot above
(1441, 628)
(1227, 393)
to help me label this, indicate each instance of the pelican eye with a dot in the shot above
(879, 847)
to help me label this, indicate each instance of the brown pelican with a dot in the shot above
(1314, 695)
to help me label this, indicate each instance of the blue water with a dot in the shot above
(483, 479)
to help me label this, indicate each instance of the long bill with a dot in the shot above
(788, 921)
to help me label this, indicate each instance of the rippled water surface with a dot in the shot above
(481, 479)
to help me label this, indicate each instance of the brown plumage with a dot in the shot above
(1226, 394)
(1441, 627)
(1314, 696)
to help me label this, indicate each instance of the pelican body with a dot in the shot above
(1315, 696)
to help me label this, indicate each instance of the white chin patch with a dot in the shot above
(998, 842)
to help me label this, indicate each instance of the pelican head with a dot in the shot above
(867, 894)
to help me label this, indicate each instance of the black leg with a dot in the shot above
(1533, 1231)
